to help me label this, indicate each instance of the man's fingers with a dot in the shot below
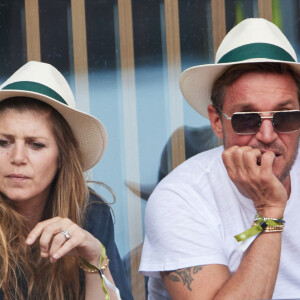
(251, 161)
(267, 160)
(229, 161)
(241, 161)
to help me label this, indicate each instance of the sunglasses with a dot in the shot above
(249, 122)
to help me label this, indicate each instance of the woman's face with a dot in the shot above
(28, 157)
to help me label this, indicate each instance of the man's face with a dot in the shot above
(262, 92)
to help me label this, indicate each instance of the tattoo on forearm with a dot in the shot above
(184, 275)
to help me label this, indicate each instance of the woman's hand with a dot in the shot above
(54, 244)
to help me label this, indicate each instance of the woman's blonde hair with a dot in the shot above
(23, 273)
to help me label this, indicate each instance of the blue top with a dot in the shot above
(98, 221)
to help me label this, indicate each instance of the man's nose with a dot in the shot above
(266, 133)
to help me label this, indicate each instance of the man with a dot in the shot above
(203, 238)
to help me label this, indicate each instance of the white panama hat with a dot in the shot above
(43, 82)
(252, 40)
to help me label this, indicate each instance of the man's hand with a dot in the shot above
(252, 173)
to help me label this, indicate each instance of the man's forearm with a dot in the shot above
(256, 276)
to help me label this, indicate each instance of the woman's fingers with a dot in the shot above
(49, 234)
(38, 230)
(69, 245)
(52, 237)
(71, 236)
(60, 236)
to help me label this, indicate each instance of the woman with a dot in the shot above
(50, 222)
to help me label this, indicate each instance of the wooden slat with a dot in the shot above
(131, 145)
(174, 70)
(218, 22)
(80, 54)
(32, 30)
(218, 28)
(265, 9)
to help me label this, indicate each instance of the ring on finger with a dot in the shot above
(66, 233)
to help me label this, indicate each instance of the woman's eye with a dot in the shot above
(37, 145)
(3, 143)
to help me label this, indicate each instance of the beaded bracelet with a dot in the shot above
(87, 269)
(278, 228)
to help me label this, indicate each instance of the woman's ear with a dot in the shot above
(215, 121)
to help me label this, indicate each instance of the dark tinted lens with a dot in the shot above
(286, 121)
(245, 123)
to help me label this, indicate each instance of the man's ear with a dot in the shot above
(215, 121)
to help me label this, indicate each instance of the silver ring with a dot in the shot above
(66, 234)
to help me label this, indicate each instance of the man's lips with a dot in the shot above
(270, 150)
(277, 154)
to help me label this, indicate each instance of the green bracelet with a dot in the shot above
(259, 224)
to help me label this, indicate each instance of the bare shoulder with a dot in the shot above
(198, 282)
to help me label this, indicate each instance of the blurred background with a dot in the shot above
(123, 59)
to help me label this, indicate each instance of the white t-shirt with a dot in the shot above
(192, 218)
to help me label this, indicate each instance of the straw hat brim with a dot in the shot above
(196, 82)
(89, 132)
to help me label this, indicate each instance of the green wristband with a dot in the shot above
(260, 224)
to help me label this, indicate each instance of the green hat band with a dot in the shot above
(256, 50)
(35, 87)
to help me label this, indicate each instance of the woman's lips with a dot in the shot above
(17, 177)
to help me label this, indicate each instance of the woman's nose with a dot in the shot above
(18, 154)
